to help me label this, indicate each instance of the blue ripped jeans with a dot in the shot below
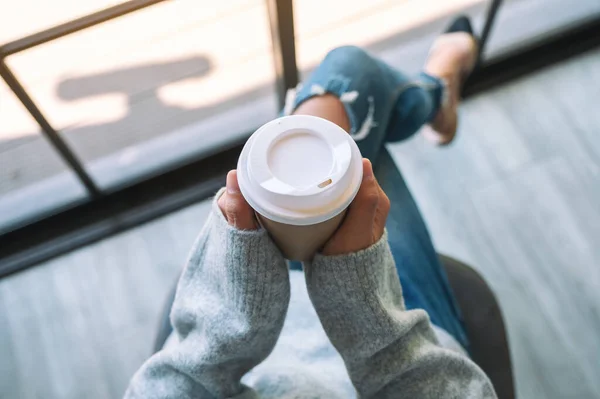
(384, 105)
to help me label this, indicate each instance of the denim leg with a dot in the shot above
(424, 281)
(417, 103)
(384, 105)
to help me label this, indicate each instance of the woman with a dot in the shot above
(246, 326)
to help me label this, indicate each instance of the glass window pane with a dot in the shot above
(519, 23)
(158, 87)
(34, 181)
(401, 32)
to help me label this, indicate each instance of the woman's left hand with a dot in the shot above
(234, 207)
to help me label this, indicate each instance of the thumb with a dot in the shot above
(234, 207)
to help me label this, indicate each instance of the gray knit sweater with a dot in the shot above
(231, 307)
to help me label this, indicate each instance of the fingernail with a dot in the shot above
(367, 170)
(232, 183)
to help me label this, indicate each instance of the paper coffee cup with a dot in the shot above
(300, 173)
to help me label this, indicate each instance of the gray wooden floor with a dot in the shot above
(516, 196)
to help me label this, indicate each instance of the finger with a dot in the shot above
(384, 204)
(383, 210)
(235, 208)
(362, 210)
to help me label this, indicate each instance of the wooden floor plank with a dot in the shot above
(80, 325)
(516, 196)
(551, 277)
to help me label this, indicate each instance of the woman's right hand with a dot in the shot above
(234, 207)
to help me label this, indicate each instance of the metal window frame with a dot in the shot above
(281, 21)
(107, 213)
(36, 39)
(284, 54)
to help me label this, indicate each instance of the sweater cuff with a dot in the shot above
(357, 271)
(362, 257)
(356, 295)
(242, 267)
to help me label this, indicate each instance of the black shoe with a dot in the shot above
(461, 24)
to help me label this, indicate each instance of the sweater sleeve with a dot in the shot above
(389, 352)
(228, 312)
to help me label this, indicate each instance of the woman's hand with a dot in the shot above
(234, 207)
(364, 223)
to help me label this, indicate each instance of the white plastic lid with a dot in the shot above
(300, 170)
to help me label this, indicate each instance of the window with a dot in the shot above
(136, 88)
(33, 178)
(154, 88)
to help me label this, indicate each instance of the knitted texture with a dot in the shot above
(231, 306)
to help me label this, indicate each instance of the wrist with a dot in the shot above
(354, 258)
(246, 259)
